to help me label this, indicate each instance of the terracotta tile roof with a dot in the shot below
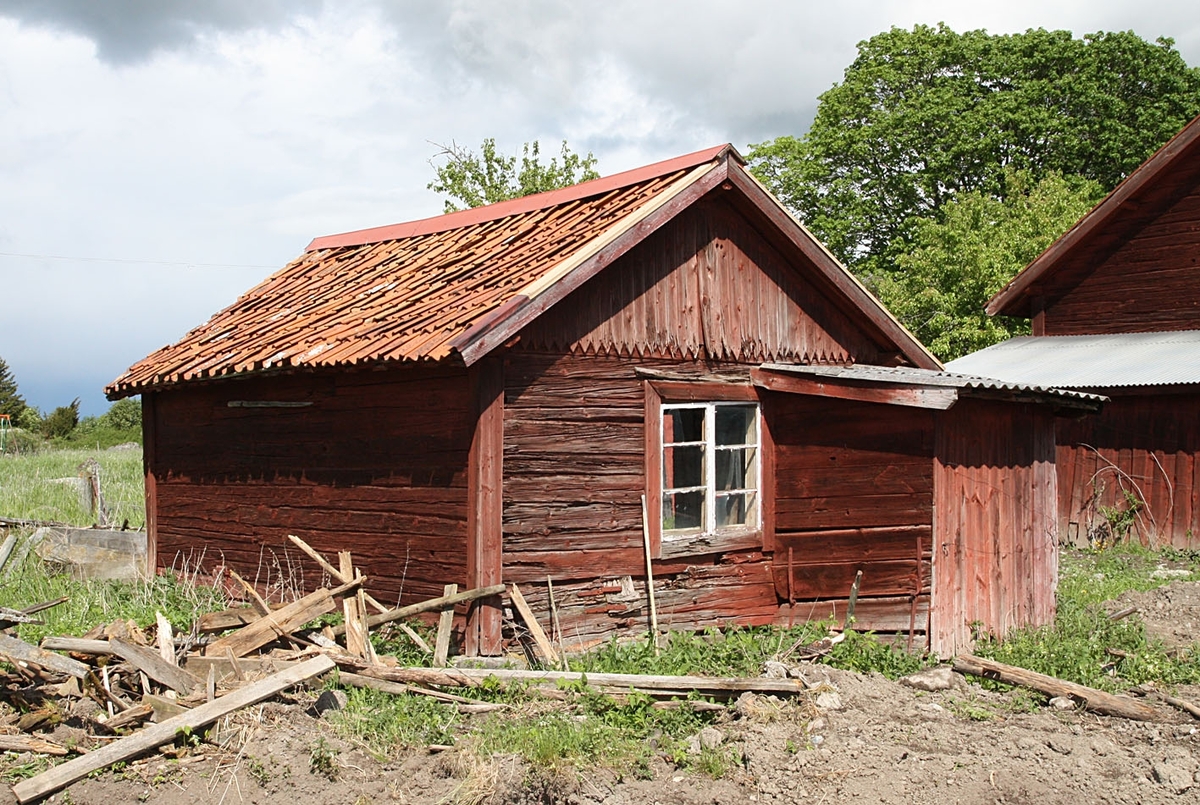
(415, 291)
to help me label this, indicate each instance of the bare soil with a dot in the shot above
(875, 741)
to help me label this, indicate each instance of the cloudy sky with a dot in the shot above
(159, 157)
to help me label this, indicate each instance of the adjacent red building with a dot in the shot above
(1115, 307)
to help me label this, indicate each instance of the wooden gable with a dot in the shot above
(709, 285)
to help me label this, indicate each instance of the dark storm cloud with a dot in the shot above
(130, 31)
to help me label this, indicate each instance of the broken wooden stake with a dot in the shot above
(27, 743)
(1094, 700)
(63, 775)
(441, 650)
(535, 628)
(356, 638)
(853, 600)
(280, 623)
(165, 637)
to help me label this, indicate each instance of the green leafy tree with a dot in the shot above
(61, 421)
(957, 263)
(125, 415)
(11, 402)
(472, 180)
(925, 115)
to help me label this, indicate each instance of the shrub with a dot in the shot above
(61, 421)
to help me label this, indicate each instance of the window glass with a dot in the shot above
(710, 472)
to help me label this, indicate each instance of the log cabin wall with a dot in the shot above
(1143, 443)
(375, 464)
(705, 293)
(995, 530)
(1150, 283)
(853, 491)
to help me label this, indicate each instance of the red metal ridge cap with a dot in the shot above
(516, 206)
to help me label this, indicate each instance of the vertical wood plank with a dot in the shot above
(149, 458)
(485, 508)
(653, 462)
(355, 637)
(766, 453)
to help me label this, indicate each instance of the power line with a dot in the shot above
(132, 261)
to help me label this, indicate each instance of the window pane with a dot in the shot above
(736, 468)
(740, 508)
(735, 424)
(683, 510)
(683, 466)
(683, 424)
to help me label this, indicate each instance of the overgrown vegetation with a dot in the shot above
(42, 486)
(93, 602)
(1083, 644)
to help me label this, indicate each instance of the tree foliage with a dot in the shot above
(957, 263)
(472, 180)
(61, 421)
(925, 115)
(11, 402)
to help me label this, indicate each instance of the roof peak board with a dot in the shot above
(523, 204)
(1132, 204)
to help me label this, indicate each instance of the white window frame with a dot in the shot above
(709, 470)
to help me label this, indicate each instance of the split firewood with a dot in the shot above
(127, 718)
(280, 622)
(63, 775)
(1094, 700)
(441, 649)
(535, 629)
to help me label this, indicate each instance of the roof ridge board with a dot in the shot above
(1142, 176)
(485, 213)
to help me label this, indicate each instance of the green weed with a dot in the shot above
(322, 760)
(385, 723)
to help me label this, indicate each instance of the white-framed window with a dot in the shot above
(711, 468)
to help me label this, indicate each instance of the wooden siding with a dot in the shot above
(708, 285)
(1145, 443)
(1150, 283)
(377, 464)
(995, 538)
(853, 491)
(574, 459)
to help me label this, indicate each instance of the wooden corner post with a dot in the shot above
(149, 446)
(485, 506)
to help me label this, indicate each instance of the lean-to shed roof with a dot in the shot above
(1091, 361)
(459, 285)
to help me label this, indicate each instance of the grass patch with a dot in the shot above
(1076, 646)
(96, 602)
(29, 489)
(385, 723)
(742, 651)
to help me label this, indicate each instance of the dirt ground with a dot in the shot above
(873, 741)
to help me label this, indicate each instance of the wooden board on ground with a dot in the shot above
(1095, 700)
(150, 737)
(18, 649)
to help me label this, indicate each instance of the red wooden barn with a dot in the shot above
(486, 396)
(1115, 305)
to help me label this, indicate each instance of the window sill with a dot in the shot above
(721, 542)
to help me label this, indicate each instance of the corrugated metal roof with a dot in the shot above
(408, 292)
(1091, 361)
(911, 376)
